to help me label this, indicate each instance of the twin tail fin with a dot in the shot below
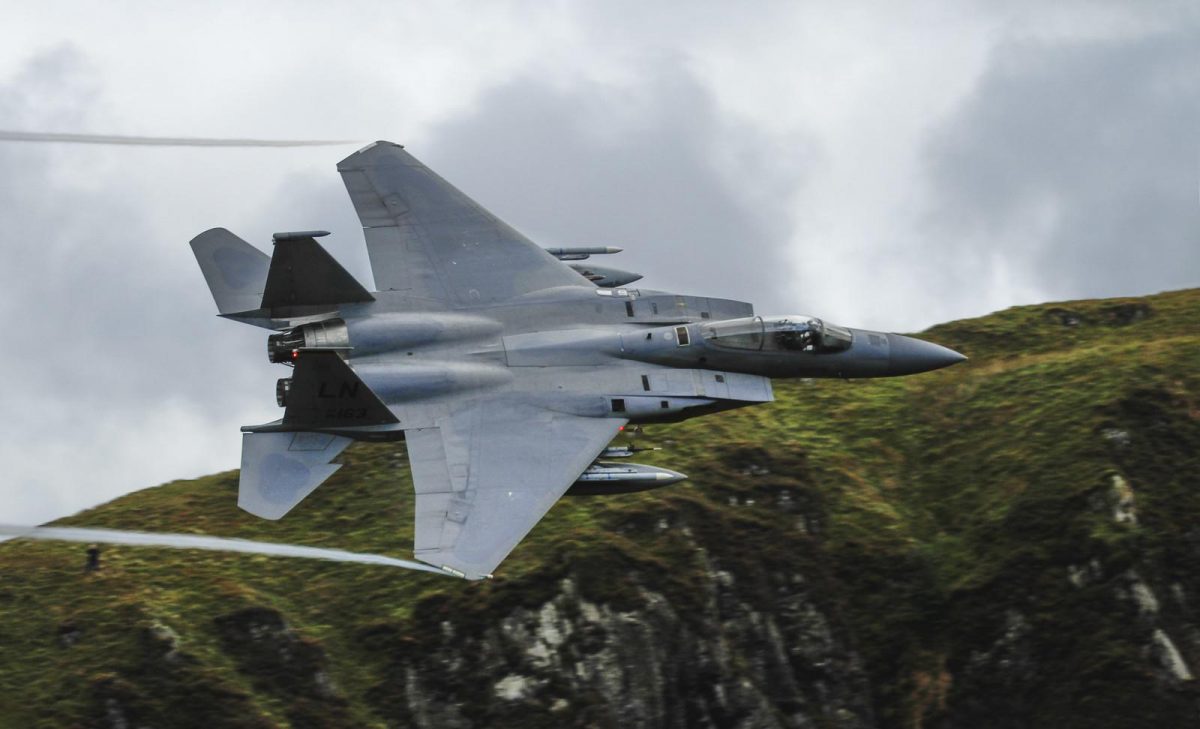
(299, 279)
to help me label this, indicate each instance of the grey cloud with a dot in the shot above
(700, 203)
(92, 301)
(1101, 141)
(104, 341)
(318, 201)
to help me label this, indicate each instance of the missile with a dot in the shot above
(622, 478)
(579, 254)
(623, 451)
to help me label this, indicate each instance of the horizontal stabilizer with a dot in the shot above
(303, 274)
(325, 393)
(280, 469)
(236, 271)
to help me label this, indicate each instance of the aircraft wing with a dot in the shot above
(485, 474)
(428, 239)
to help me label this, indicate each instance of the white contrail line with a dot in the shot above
(198, 541)
(15, 136)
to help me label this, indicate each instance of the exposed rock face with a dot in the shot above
(737, 632)
(281, 662)
(161, 685)
(574, 662)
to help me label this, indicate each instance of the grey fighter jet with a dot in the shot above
(506, 368)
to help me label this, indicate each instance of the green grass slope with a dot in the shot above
(1014, 541)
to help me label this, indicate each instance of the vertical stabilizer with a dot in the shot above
(236, 271)
(303, 274)
(324, 392)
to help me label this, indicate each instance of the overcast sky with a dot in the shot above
(890, 167)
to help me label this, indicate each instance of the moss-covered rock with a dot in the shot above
(1011, 542)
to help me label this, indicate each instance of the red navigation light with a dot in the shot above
(295, 354)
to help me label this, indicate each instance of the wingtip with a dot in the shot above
(203, 236)
(378, 144)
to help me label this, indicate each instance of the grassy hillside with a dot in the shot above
(1014, 541)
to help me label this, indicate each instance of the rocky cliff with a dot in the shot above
(1011, 542)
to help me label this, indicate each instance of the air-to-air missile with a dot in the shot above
(582, 253)
(622, 478)
(624, 451)
(602, 276)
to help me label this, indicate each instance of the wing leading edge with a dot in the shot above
(428, 239)
(486, 474)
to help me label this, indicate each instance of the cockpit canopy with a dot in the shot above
(780, 334)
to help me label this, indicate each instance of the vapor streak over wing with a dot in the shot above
(197, 541)
(15, 136)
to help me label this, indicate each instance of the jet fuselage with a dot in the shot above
(642, 356)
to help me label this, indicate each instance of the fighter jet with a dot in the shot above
(505, 368)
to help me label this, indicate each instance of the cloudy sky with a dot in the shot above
(889, 167)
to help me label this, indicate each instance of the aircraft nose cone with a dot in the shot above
(907, 356)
